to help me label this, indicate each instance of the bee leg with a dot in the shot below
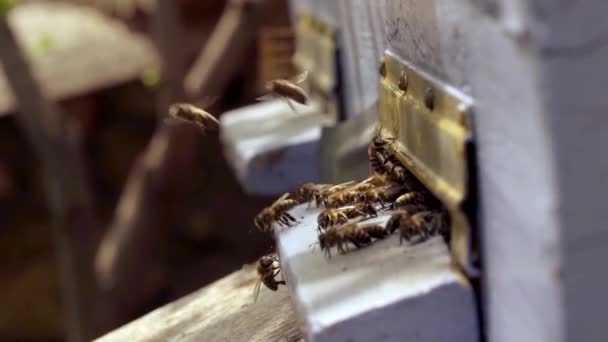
(290, 217)
(341, 248)
(285, 221)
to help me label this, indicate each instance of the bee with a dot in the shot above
(322, 196)
(356, 233)
(332, 217)
(268, 268)
(415, 198)
(189, 113)
(308, 192)
(382, 195)
(277, 212)
(377, 152)
(418, 222)
(287, 90)
(348, 195)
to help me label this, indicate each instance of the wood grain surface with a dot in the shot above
(222, 311)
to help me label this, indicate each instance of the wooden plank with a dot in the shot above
(73, 50)
(222, 311)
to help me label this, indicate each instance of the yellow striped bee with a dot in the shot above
(419, 223)
(382, 195)
(277, 212)
(308, 192)
(378, 153)
(356, 233)
(346, 196)
(191, 114)
(287, 90)
(268, 268)
(421, 197)
(322, 196)
(332, 217)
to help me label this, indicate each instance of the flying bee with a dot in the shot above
(287, 90)
(192, 114)
(422, 197)
(268, 268)
(332, 217)
(381, 195)
(277, 212)
(308, 192)
(356, 233)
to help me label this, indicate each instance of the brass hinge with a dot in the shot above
(433, 126)
(317, 53)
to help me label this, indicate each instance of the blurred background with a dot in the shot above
(98, 59)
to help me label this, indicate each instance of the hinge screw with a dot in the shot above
(429, 98)
(403, 81)
(383, 68)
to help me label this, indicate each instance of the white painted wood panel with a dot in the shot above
(384, 292)
(536, 72)
(364, 41)
(461, 44)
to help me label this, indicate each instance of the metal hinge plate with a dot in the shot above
(432, 123)
(317, 53)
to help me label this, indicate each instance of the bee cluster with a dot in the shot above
(347, 207)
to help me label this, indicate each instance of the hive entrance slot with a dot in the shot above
(431, 128)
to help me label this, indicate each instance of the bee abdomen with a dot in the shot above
(292, 91)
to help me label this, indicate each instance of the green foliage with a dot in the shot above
(150, 77)
(44, 44)
(7, 5)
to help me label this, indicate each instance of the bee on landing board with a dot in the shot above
(382, 195)
(277, 212)
(356, 233)
(418, 226)
(191, 114)
(268, 268)
(333, 217)
(309, 192)
(289, 90)
(322, 196)
(416, 198)
(346, 196)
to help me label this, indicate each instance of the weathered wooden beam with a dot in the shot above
(221, 312)
(57, 145)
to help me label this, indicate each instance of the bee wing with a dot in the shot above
(267, 97)
(293, 108)
(256, 289)
(282, 198)
(207, 101)
(344, 185)
(212, 120)
(300, 78)
(172, 121)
